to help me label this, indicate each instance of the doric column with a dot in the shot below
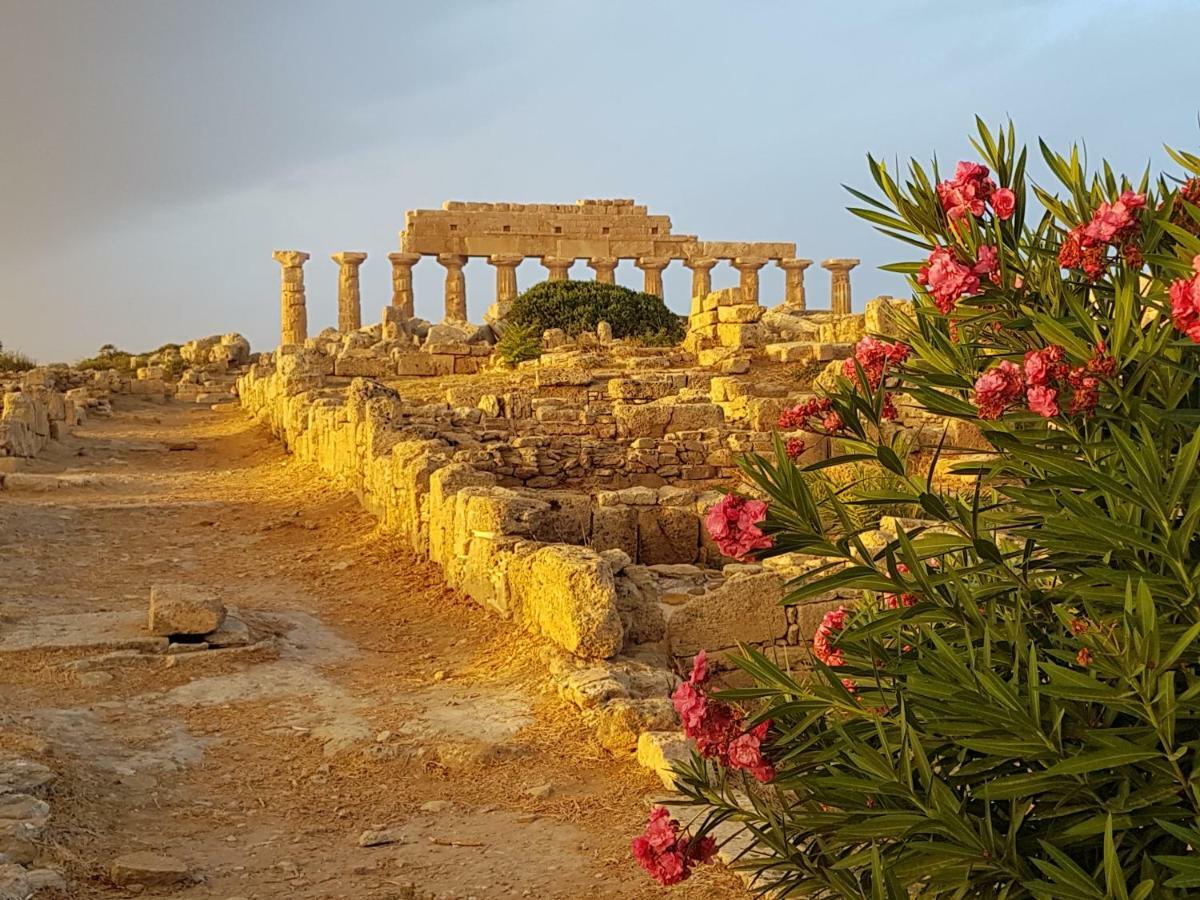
(456, 286)
(652, 268)
(748, 267)
(506, 281)
(293, 317)
(839, 284)
(558, 266)
(701, 274)
(793, 293)
(605, 268)
(349, 298)
(402, 288)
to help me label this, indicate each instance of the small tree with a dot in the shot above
(1012, 707)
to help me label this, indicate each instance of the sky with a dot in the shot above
(153, 153)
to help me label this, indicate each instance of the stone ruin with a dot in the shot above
(568, 495)
(600, 232)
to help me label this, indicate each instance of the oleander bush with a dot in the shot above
(1011, 707)
(579, 306)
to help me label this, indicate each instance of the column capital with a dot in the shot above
(602, 262)
(349, 258)
(404, 259)
(558, 261)
(506, 259)
(840, 264)
(452, 260)
(290, 257)
(654, 263)
(702, 263)
(749, 262)
(789, 264)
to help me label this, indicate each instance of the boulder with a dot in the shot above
(184, 609)
(148, 870)
(568, 594)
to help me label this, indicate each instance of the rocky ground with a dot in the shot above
(371, 705)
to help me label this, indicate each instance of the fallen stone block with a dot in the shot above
(184, 609)
(148, 870)
(658, 750)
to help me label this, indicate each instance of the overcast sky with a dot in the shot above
(154, 152)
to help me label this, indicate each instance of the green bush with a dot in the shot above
(519, 343)
(579, 306)
(14, 360)
(1011, 708)
(107, 357)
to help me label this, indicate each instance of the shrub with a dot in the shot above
(14, 360)
(518, 343)
(107, 357)
(579, 306)
(1012, 706)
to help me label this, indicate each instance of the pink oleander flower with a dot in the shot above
(997, 389)
(1045, 366)
(967, 192)
(795, 448)
(1004, 203)
(895, 601)
(888, 412)
(1084, 657)
(666, 852)
(1112, 225)
(1042, 400)
(832, 624)
(733, 524)
(1185, 303)
(811, 414)
(745, 752)
(987, 263)
(1085, 392)
(947, 280)
(875, 356)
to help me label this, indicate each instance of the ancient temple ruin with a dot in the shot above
(602, 233)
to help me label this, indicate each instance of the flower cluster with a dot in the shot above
(1185, 303)
(970, 192)
(667, 852)
(733, 523)
(795, 448)
(1041, 382)
(875, 356)
(895, 601)
(816, 413)
(1112, 225)
(717, 728)
(947, 280)
(832, 624)
(1189, 192)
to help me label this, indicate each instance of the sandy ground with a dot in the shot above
(385, 700)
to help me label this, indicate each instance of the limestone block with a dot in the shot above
(695, 416)
(843, 329)
(363, 366)
(964, 435)
(568, 594)
(744, 609)
(648, 386)
(184, 609)
(792, 351)
(640, 609)
(614, 527)
(739, 314)
(492, 511)
(568, 517)
(148, 869)
(620, 723)
(641, 420)
(739, 335)
(888, 316)
(667, 535)
(659, 750)
(422, 364)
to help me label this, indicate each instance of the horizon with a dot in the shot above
(147, 186)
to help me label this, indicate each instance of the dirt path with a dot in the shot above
(391, 702)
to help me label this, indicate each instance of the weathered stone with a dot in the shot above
(23, 776)
(620, 723)
(667, 535)
(233, 632)
(745, 609)
(658, 750)
(568, 594)
(184, 609)
(148, 870)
